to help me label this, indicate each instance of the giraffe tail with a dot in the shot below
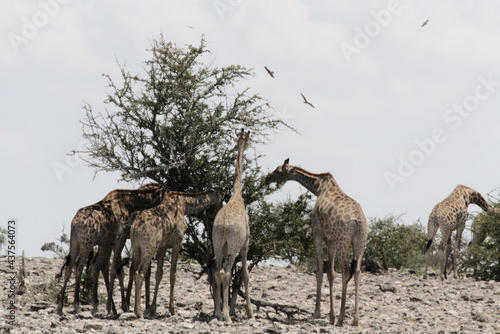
(354, 263)
(432, 228)
(123, 264)
(66, 263)
(91, 255)
(429, 243)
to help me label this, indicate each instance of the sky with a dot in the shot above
(403, 112)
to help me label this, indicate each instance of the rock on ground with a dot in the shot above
(397, 302)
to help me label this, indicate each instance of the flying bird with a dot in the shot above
(271, 73)
(305, 101)
(425, 23)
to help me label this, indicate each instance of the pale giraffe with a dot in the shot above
(158, 229)
(230, 235)
(97, 225)
(338, 220)
(448, 215)
(123, 234)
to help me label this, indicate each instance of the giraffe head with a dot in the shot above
(281, 174)
(243, 139)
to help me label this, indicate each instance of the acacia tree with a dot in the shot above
(175, 124)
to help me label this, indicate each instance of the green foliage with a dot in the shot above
(60, 249)
(396, 245)
(282, 231)
(483, 259)
(176, 123)
(86, 287)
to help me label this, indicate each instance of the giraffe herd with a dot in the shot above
(153, 218)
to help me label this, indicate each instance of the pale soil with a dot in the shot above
(397, 302)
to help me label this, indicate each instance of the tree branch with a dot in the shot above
(289, 310)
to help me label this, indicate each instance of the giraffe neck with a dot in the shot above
(239, 165)
(476, 198)
(310, 181)
(194, 203)
(128, 201)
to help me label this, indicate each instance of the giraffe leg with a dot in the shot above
(220, 252)
(67, 276)
(100, 263)
(346, 275)
(173, 275)
(432, 228)
(226, 281)
(121, 278)
(318, 247)
(358, 246)
(446, 258)
(331, 276)
(141, 267)
(160, 257)
(218, 283)
(444, 252)
(117, 250)
(244, 270)
(105, 275)
(131, 275)
(139, 278)
(456, 248)
(78, 276)
(96, 268)
(357, 273)
(147, 284)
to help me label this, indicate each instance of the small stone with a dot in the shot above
(388, 287)
(93, 326)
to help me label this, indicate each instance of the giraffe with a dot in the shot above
(336, 219)
(98, 224)
(121, 238)
(451, 214)
(230, 235)
(159, 228)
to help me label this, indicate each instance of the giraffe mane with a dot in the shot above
(179, 193)
(313, 174)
